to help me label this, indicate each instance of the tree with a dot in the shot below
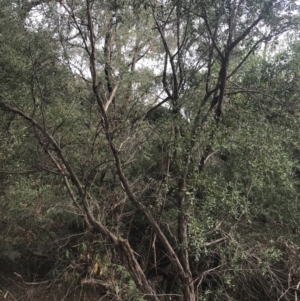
(176, 169)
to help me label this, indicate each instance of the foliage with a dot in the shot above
(151, 150)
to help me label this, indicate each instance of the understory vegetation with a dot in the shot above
(150, 149)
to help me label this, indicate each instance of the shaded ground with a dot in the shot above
(13, 287)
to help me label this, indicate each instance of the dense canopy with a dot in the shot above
(150, 149)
